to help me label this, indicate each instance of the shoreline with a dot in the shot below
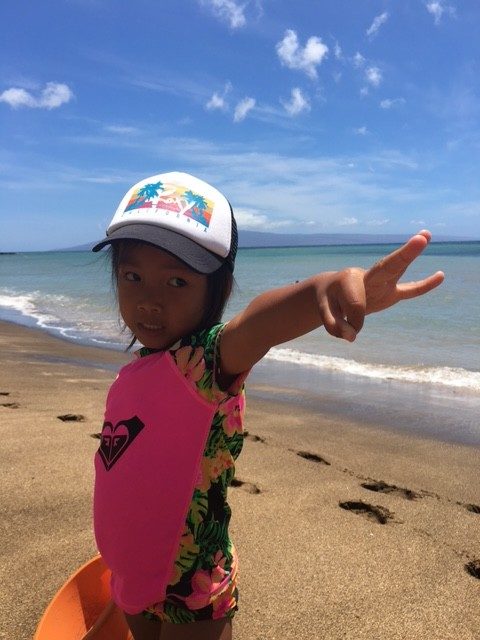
(344, 530)
(437, 412)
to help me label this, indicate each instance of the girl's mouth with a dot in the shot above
(150, 327)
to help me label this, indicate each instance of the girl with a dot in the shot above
(173, 419)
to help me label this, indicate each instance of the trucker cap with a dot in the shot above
(182, 215)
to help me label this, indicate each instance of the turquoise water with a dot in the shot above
(430, 341)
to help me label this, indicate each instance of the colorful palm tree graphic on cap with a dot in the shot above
(197, 206)
(147, 192)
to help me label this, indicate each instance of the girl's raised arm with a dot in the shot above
(339, 300)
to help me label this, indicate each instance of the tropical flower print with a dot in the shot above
(191, 363)
(225, 603)
(232, 411)
(203, 583)
(186, 555)
(206, 584)
(212, 468)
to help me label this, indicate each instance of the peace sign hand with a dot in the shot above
(351, 294)
(381, 281)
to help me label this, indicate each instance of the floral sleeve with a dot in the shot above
(204, 576)
(198, 357)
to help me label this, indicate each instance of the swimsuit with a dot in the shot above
(169, 443)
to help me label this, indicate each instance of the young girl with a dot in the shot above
(173, 419)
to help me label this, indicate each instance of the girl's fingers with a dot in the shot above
(414, 289)
(354, 300)
(336, 324)
(396, 263)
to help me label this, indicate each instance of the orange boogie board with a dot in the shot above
(83, 610)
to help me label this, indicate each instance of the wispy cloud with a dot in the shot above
(121, 130)
(51, 97)
(378, 223)
(229, 11)
(438, 8)
(306, 58)
(297, 103)
(358, 60)
(253, 219)
(376, 24)
(218, 100)
(361, 131)
(373, 76)
(242, 109)
(289, 190)
(347, 222)
(390, 103)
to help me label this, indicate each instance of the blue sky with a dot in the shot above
(312, 116)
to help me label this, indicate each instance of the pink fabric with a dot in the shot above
(154, 434)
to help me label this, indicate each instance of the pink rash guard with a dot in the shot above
(153, 437)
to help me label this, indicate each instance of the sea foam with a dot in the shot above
(446, 376)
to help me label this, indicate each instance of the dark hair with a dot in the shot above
(219, 286)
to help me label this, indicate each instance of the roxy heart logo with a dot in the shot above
(116, 439)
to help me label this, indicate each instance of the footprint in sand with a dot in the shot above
(473, 508)
(307, 455)
(382, 487)
(71, 417)
(473, 568)
(10, 405)
(252, 436)
(4, 393)
(378, 514)
(249, 487)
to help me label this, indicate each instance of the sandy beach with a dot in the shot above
(344, 531)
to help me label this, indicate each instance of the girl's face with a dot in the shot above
(161, 299)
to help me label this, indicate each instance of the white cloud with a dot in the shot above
(376, 24)
(373, 76)
(18, 98)
(253, 219)
(389, 103)
(338, 51)
(438, 8)
(242, 108)
(227, 10)
(361, 131)
(120, 130)
(51, 97)
(347, 222)
(358, 60)
(306, 59)
(218, 101)
(378, 223)
(417, 222)
(298, 103)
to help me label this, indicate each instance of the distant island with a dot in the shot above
(263, 239)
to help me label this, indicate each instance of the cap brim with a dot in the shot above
(183, 248)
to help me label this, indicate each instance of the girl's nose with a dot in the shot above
(150, 305)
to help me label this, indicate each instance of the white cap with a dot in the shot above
(181, 214)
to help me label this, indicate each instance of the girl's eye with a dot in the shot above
(177, 282)
(131, 276)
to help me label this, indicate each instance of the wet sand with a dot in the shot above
(344, 530)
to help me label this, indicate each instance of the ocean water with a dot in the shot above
(422, 352)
